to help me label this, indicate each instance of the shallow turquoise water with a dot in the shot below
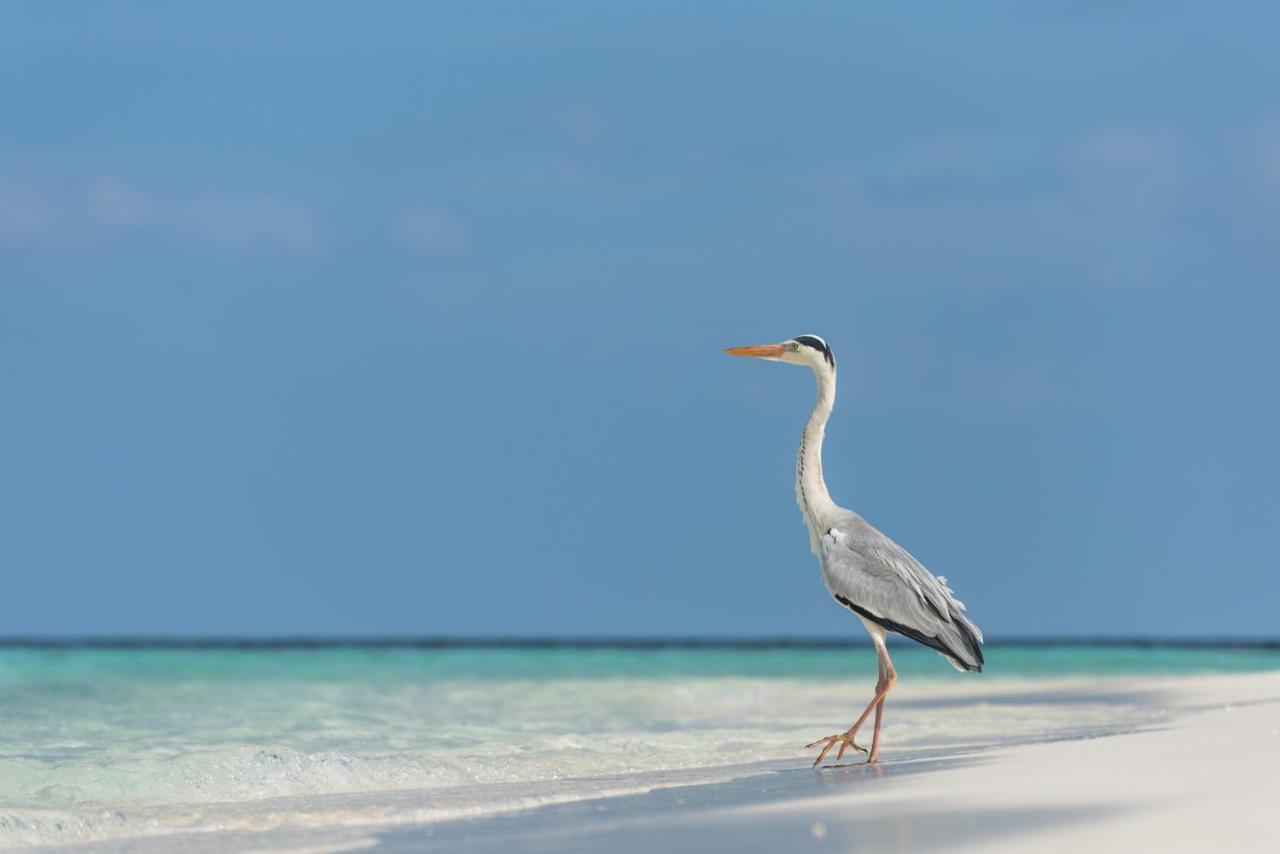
(88, 666)
(149, 738)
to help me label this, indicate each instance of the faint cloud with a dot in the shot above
(261, 221)
(956, 168)
(950, 168)
(580, 125)
(944, 208)
(432, 230)
(1118, 169)
(116, 204)
(36, 213)
(1126, 169)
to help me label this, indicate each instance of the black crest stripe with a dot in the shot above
(819, 345)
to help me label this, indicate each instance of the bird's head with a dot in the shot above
(809, 350)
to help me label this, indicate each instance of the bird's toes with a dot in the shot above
(830, 742)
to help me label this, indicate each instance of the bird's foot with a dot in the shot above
(844, 739)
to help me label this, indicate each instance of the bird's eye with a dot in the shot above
(795, 345)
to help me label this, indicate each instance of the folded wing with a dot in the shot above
(878, 579)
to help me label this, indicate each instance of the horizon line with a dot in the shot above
(629, 642)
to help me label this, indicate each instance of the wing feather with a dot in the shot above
(877, 578)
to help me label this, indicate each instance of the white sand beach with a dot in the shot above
(1198, 775)
(1205, 781)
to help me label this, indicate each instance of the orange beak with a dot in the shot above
(758, 351)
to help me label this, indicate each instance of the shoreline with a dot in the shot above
(1203, 780)
(779, 798)
(1127, 791)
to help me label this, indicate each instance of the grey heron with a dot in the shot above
(864, 570)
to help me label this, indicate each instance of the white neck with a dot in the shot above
(811, 490)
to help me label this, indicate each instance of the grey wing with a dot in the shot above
(879, 580)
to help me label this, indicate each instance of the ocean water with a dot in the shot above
(110, 743)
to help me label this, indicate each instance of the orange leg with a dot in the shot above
(887, 676)
(875, 735)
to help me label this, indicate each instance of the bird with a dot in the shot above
(863, 570)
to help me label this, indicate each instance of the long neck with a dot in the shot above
(811, 490)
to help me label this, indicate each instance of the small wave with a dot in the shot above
(353, 810)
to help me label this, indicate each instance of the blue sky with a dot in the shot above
(333, 319)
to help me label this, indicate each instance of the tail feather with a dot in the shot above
(962, 644)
